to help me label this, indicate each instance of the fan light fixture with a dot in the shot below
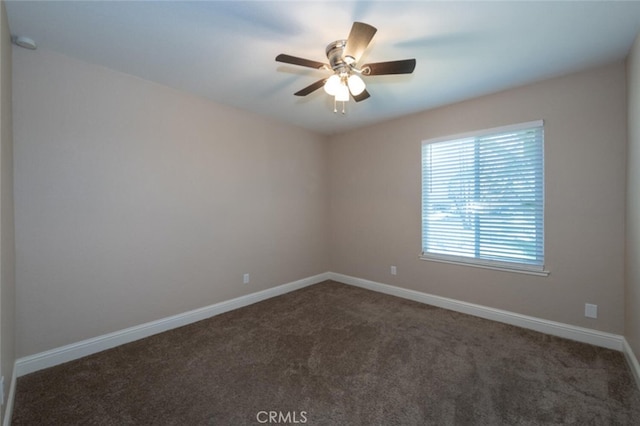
(340, 86)
(343, 56)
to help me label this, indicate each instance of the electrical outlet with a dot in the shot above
(245, 278)
(590, 311)
(394, 270)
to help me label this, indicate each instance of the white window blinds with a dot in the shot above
(483, 198)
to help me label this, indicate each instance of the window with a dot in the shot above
(483, 198)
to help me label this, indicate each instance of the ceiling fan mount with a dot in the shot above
(343, 56)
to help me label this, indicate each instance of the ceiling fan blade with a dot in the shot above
(362, 96)
(311, 88)
(359, 38)
(405, 66)
(294, 60)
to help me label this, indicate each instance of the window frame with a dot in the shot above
(500, 265)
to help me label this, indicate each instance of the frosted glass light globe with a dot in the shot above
(356, 85)
(332, 85)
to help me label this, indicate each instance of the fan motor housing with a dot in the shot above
(335, 52)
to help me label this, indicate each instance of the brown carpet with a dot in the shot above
(332, 354)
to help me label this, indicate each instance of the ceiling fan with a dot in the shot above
(343, 58)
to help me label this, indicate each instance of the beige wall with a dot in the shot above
(135, 201)
(375, 200)
(632, 289)
(7, 277)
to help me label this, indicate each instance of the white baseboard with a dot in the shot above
(50, 358)
(56, 356)
(580, 334)
(634, 365)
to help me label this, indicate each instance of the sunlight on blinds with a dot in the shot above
(483, 197)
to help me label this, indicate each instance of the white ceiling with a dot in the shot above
(225, 50)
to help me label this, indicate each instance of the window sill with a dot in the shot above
(495, 267)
